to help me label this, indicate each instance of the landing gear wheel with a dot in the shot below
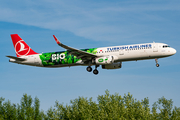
(89, 69)
(157, 65)
(95, 71)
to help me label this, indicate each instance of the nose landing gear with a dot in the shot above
(157, 65)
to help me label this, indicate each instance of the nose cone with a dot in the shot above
(173, 51)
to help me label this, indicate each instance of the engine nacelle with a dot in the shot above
(103, 60)
(112, 66)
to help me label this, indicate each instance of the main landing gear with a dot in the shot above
(157, 65)
(95, 71)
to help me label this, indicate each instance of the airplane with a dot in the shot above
(108, 57)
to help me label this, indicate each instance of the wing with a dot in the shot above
(16, 58)
(79, 53)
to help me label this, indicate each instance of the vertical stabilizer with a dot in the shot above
(21, 48)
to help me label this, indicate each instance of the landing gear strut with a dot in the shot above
(95, 71)
(89, 68)
(157, 65)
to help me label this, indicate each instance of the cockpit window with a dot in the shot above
(166, 46)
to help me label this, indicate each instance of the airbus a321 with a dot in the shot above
(108, 57)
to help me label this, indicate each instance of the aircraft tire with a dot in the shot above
(95, 71)
(157, 65)
(89, 69)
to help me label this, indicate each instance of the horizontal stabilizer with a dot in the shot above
(16, 58)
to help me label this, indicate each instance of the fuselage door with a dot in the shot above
(121, 51)
(155, 47)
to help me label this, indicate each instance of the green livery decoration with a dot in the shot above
(100, 60)
(63, 57)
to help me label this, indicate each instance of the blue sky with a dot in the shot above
(86, 24)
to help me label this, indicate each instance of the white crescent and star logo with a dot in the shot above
(22, 48)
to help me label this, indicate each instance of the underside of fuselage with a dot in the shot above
(58, 63)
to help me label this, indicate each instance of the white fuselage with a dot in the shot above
(136, 52)
(120, 53)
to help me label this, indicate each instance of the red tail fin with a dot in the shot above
(21, 48)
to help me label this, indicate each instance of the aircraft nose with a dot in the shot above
(173, 51)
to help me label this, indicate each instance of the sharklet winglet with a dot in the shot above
(57, 41)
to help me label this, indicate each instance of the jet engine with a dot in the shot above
(103, 60)
(112, 66)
